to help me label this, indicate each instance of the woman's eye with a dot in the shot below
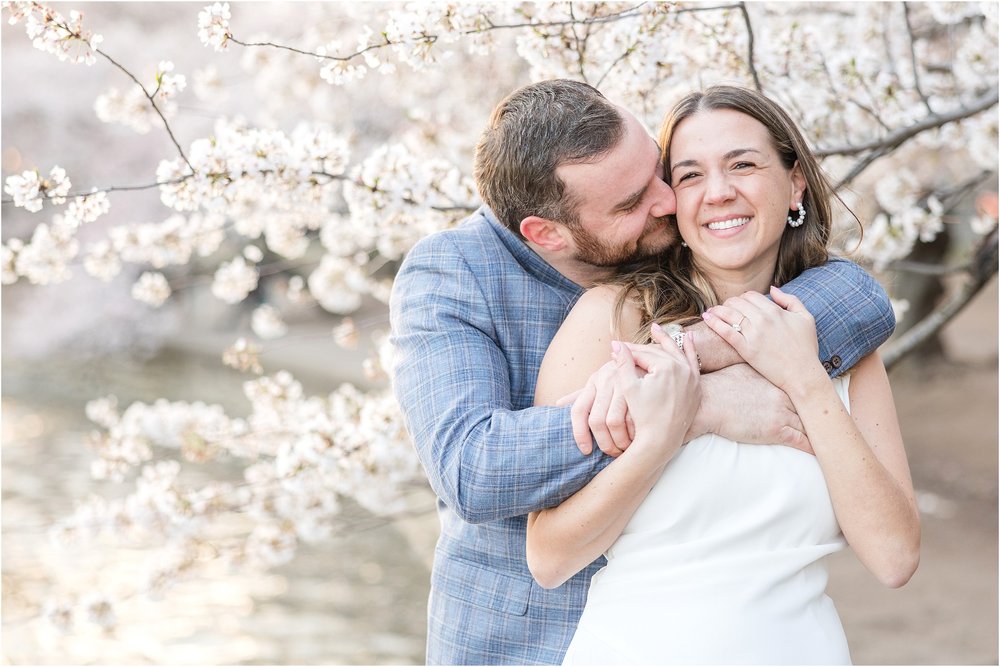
(742, 165)
(684, 177)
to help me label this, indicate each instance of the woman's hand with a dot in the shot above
(659, 384)
(777, 338)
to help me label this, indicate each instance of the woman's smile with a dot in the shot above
(728, 226)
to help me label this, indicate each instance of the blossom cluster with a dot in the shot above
(53, 33)
(29, 189)
(133, 107)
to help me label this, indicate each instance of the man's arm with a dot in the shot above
(852, 312)
(484, 459)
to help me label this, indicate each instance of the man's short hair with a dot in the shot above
(534, 130)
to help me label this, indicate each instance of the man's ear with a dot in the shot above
(548, 234)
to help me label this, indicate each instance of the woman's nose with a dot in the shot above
(718, 188)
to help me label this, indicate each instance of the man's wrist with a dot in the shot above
(713, 352)
(704, 417)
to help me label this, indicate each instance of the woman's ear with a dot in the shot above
(548, 234)
(798, 186)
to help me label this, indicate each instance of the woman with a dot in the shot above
(715, 549)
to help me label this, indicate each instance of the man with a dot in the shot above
(573, 187)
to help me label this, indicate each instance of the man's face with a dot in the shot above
(623, 201)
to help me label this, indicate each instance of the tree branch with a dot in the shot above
(913, 58)
(982, 269)
(152, 102)
(112, 188)
(750, 61)
(895, 139)
(925, 269)
(615, 16)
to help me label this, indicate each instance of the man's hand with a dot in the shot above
(739, 404)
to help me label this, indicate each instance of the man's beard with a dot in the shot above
(591, 250)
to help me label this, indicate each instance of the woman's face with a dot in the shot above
(733, 192)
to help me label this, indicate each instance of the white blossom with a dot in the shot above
(46, 258)
(346, 334)
(8, 261)
(234, 280)
(899, 308)
(243, 356)
(297, 292)
(29, 189)
(133, 107)
(253, 254)
(207, 84)
(267, 323)
(213, 26)
(102, 261)
(104, 411)
(88, 208)
(270, 545)
(337, 285)
(152, 288)
(53, 33)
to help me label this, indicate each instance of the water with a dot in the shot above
(359, 598)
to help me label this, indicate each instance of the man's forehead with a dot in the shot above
(621, 174)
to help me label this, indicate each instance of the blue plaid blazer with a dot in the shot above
(472, 311)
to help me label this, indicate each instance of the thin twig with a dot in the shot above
(924, 269)
(913, 58)
(152, 102)
(750, 61)
(113, 188)
(616, 16)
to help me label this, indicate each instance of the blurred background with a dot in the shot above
(358, 597)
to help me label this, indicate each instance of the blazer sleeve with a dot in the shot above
(484, 459)
(852, 312)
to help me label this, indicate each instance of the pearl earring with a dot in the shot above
(801, 219)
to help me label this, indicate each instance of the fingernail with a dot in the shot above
(706, 315)
(656, 327)
(615, 347)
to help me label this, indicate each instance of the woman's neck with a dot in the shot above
(728, 284)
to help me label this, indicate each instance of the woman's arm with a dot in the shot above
(564, 539)
(861, 453)
(852, 312)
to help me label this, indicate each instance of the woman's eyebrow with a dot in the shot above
(736, 152)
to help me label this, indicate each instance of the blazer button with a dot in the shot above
(836, 361)
(827, 366)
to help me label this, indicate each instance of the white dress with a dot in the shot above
(723, 563)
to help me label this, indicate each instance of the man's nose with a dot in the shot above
(665, 202)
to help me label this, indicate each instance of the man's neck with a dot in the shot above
(583, 274)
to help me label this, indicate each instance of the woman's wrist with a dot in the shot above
(810, 380)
